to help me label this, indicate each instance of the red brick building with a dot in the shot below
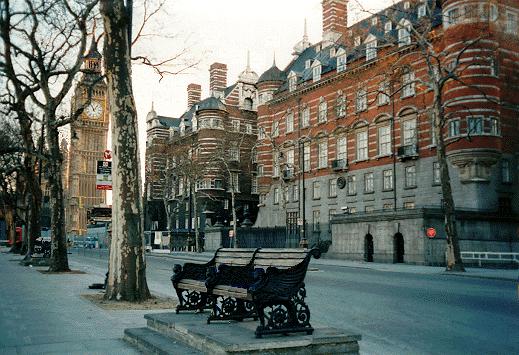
(346, 140)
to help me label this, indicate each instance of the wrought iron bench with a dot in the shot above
(189, 280)
(274, 292)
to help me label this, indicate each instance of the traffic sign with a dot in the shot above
(430, 232)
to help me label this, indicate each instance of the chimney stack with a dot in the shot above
(217, 79)
(335, 19)
(194, 94)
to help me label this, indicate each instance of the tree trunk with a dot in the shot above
(127, 267)
(453, 254)
(59, 258)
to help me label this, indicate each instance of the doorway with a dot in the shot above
(368, 248)
(398, 248)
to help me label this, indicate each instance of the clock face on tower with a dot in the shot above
(94, 110)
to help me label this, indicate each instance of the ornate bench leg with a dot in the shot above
(230, 308)
(191, 301)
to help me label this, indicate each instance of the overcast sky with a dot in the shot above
(222, 31)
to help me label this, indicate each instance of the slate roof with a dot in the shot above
(211, 103)
(272, 74)
(169, 121)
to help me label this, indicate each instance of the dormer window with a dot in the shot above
(388, 27)
(316, 71)
(341, 60)
(404, 33)
(292, 81)
(332, 52)
(371, 47)
(357, 41)
(374, 21)
(407, 5)
(308, 63)
(422, 10)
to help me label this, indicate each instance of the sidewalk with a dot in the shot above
(496, 274)
(44, 314)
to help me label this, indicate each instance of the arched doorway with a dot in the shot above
(368, 248)
(398, 248)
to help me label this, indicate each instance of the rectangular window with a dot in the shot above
(341, 149)
(234, 154)
(261, 133)
(323, 154)
(388, 26)
(454, 128)
(452, 17)
(286, 194)
(475, 126)
(506, 173)
(383, 93)
(409, 132)
(306, 157)
(316, 73)
(422, 10)
(408, 83)
(494, 127)
(316, 190)
(352, 184)
(248, 128)
(275, 165)
(362, 100)
(387, 180)
(226, 204)
(261, 170)
(387, 206)
(368, 183)
(362, 145)
(254, 186)
(436, 173)
(340, 106)
(316, 219)
(409, 205)
(290, 158)
(236, 125)
(276, 195)
(341, 63)
(410, 176)
(323, 111)
(295, 193)
(289, 123)
(306, 117)
(371, 50)
(384, 140)
(511, 24)
(292, 83)
(332, 188)
(275, 129)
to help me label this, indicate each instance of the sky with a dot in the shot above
(221, 31)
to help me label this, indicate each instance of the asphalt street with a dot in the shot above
(395, 312)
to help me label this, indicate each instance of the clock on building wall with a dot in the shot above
(94, 110)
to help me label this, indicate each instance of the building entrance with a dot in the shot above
(398, 248)
(368, 248)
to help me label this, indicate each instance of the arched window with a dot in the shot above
(404, 33)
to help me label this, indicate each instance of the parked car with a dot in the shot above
(91, 242)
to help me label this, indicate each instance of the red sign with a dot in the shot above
(107, 154)
(431, 232)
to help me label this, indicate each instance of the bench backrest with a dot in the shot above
(234, 256)
(280, 258)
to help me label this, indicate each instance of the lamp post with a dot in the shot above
(303, 242)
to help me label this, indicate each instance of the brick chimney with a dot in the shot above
(194, 94)
(217, 79)
(335, 19)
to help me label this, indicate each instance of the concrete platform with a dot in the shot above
(234, 337)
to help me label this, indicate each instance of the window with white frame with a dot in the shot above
(408, 84)
(383, 93)
(371, 48)
(306, 117)
(506, 172)
(292, 82)
(409, 134)
(275, 162)
(306, 157)
(374, 21)
(475, 125)
(404, 33)
(341, 149)
(369, 182)
(362, 145)
(234, 154)
(340, 105)
(421, 10)
(361, 103)
(323, 109)
(356, 41)
(511, 24)
(316, 71)
(454, 128)
(276, 195)
(452, 17)
(316, 190)
(248, 128)
(236, 125)
(387, 180)
(388, 26)
(290, 158)
(289, 123)
(493, 12)
(342, 60)
(316, 220)
(409, 205)
(332, 188)
(493, 126)
(351, 182)
(275, 129)
(234, 182)
(407, 5)
(436, 173)
(410, 176)
(261, 170)
(323, 154)
(384, 140)
(254, 186)
(295, 192)
(261, 133)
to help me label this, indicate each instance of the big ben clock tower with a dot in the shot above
(87, 144)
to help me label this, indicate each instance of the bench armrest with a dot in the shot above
(190, 271)
(230, 275)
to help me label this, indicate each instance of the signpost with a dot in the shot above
(430, 232)
(104, 175)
